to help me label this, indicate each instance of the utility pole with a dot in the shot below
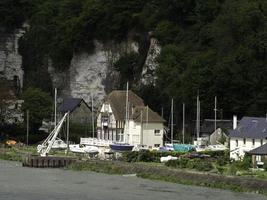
(27, 136)
(183, 121)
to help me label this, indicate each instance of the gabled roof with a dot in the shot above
(148, 115)
(117, 101)
(262, 150)
(70, 104)
(251, 127)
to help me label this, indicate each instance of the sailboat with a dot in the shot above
(123, 146)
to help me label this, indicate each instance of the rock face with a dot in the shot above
(10, 59)
(148, 73)
(92, 75)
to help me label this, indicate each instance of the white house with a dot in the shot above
(250, 133)
(143, 127)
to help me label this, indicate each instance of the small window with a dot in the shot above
(244, 141)
(236, 142)
(106, 107)
(253, 142)
(156, 145)
(157, 132)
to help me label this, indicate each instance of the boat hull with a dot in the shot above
(121, 147)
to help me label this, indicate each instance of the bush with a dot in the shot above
(203, 165)
(180, 163)
(244, 164)
(146, 156)
(130, 156)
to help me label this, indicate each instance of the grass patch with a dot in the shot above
(181, 176)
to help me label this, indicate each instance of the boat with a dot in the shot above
(77, 148)
(121, 147)
(59, 144)
(183, 147)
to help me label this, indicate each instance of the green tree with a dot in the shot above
(39, 104)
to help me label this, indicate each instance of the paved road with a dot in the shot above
(19, 183)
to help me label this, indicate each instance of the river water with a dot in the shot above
(21, 183)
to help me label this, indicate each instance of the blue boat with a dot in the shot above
(183, 147)
(121, 147)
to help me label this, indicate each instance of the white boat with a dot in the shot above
(95, 142)
(218, 147)
(84, 149)
(59, 144)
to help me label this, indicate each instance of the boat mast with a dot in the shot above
(93, 125)
(198, 116)
(141, 137)
(126, 113)
(172, 122)
(215, 113)
(183, 120)
(55, 102)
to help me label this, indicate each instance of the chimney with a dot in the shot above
(234, 122)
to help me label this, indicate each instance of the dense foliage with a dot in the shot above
(214, 47)
(39, 104)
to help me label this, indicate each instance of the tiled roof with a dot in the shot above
(70, 104)
(148, 115)
(262, 150)
(251, 127)
(117, 101)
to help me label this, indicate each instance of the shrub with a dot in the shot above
(146, 156)
(244, 164)
(203, 165)
(130, 156)
(180, 163)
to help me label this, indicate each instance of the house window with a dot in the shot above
(236, 143)
(156, 145)
(244, 141)
(253, 142)
(157, 132)
(106, 107)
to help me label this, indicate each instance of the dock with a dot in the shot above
(47, 162)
